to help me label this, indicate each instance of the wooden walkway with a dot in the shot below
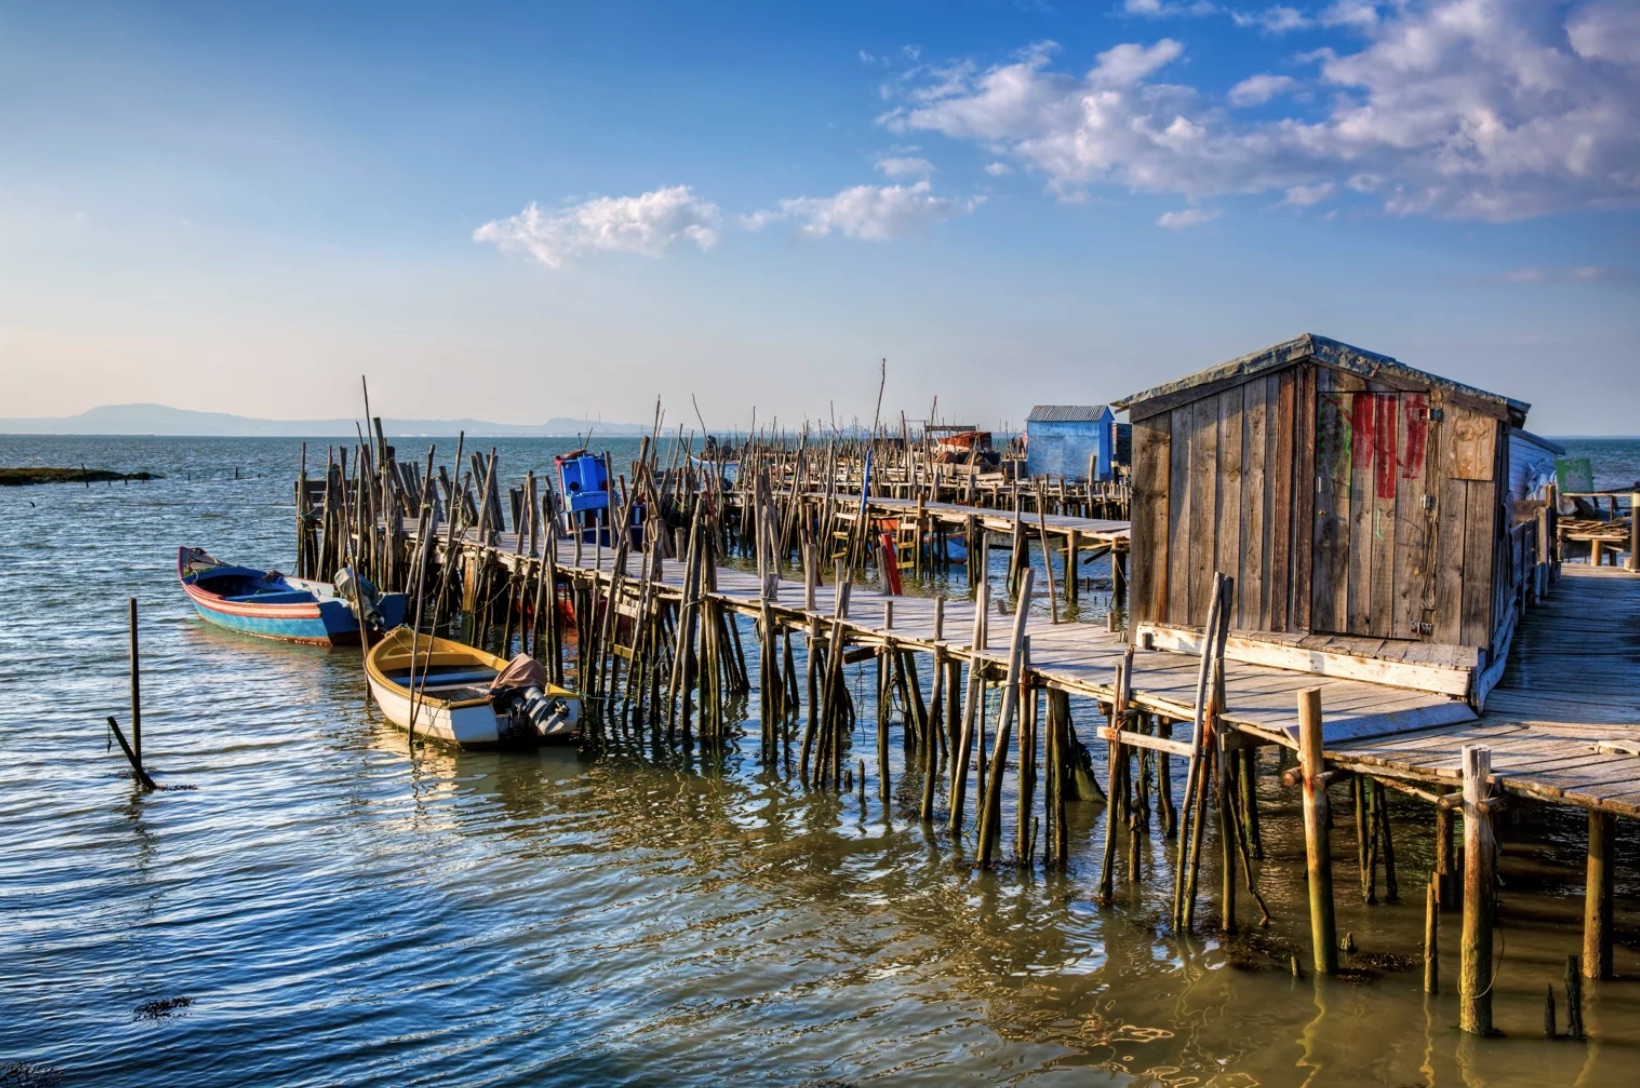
(1564, 722)
(1080, 658)
(1090, 530)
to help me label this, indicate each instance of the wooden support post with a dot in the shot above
(1574, 999)
(1445, 865)
(1317, 850)
(1597, 899)
(1633, 563)
(1229, 833)
(1164, 783)
(136, 687)
(990, 820)
(1475, 980)
(1072, 581)
(1432, 951)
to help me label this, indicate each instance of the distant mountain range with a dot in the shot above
(159, 419)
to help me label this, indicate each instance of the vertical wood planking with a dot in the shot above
(1228, 480)
(1412, 559)
(1251, 595)
(1179, 515)
(1329, 587)
(1478, 550)
(1203, 527)
(1303, 493)
(1152, 444)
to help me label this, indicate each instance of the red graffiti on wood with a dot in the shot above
(1384, 440)
(1361, 429)
(1417, 406)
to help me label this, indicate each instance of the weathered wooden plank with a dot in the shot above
(1474, 444)
(1180, 515)
(1228, 479)
(1279, 512)
(1303, 495)
(1334, 453)
(1480, 522)
(1343, 665)
(1152, 444)
(1204, 525)
(1252, 599)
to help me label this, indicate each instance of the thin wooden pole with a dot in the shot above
(991, 815)
(1317, 853)
(1432, 933)
(1475, 980)
(136, 687)
(1597, 899)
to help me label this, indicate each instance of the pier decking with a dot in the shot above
(1564, 723)
(1079, 658)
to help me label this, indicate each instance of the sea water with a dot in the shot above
(322, 906)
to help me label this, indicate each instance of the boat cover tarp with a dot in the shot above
(522, 671)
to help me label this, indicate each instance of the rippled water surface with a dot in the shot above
(338, 911)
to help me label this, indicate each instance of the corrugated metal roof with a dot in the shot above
(1331, 352)
(1067, 413)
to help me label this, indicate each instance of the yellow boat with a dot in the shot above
(467, 696)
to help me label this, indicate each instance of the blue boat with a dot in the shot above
(270, 605)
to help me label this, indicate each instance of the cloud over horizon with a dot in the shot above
(1479, 109)
(650, 224)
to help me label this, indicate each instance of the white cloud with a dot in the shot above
(651, 224)
(1127, 64)
(998, 169)
(1304, 196)
(1280, 19)
(867, 212)
(1164, 9)
(1489, 109)
(1259, 89)
(1581, 274)
(1186, 218)
(905, 166)
(1607, 31)
(1360, 14)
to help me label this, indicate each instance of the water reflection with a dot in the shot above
(341, 909)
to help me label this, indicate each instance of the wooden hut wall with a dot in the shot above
(1214, 489)
(1309, 485)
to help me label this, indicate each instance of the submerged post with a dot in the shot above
(1317, 852)
(1475, 972)
(136, 688)
(1597, 899)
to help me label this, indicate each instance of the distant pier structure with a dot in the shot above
(1073, 441)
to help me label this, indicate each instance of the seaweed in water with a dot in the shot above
(29, 1075)
(162, 1008)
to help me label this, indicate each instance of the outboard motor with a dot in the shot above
(550, 716)
(519, 692)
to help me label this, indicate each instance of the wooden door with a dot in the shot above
(1371, 565)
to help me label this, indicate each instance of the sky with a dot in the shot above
(516, 211)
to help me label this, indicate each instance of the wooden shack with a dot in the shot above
(1361, 505)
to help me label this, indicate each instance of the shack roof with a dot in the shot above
(1068, 413)
(1331, 352)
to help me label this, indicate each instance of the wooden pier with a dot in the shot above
(1410, 627)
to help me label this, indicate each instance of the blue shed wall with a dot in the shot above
(1063, 449)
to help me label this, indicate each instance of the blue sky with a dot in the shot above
(519, 211)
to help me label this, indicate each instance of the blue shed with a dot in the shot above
(1070, 440)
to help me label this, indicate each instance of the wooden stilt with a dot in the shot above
(1317, 852)
(1597, 899)
(1475, 986)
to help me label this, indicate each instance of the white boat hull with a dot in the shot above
(469, 726)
